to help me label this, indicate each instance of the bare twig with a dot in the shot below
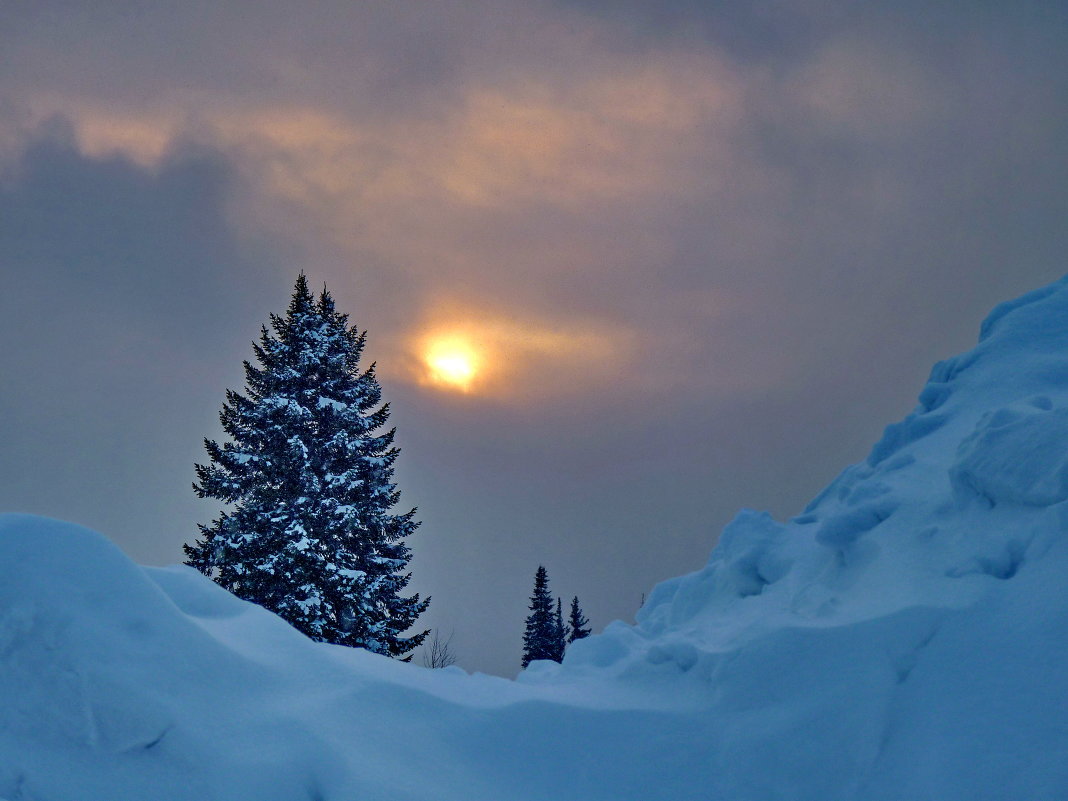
(438, 653)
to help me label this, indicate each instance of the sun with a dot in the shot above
(451, 362)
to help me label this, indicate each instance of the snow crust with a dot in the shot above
(906, 637)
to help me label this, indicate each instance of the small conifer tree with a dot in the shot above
(559, 634)
(543, 638)
(308, 474)
(577, 623)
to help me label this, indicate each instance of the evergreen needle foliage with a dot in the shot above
(545, 637)
(577, 623)
(307, 475)
(559, 634)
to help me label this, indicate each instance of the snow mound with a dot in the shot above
(903, 638)
(989, 463)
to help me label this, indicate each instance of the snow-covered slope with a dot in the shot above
(904, 638)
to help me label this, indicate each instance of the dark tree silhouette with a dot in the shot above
(308, 475)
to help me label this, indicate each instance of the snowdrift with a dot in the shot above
(903, 638)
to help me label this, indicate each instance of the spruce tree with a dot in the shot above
(307, 475)
(577, 622)
(542, 639)
(559, 634)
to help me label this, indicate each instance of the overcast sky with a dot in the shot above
(706, 252)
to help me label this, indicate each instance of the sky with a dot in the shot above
(702, 253)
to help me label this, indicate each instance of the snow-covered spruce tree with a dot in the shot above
(577, 623)
(542, 638)
(308, 474)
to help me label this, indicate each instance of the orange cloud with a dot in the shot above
(142, 139)
(596, 138)
(424, 191)
(509, 357)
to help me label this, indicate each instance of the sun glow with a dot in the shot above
(452, 362)
(499, 357)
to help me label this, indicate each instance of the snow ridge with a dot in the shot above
(877, 625)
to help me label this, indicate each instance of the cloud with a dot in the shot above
(477, 202)
(145, 141)
(605, 138)
(544, 163)
(127, 295)
(511, 357)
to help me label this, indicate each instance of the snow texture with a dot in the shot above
(906, 637)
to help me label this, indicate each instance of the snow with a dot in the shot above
(903, 638)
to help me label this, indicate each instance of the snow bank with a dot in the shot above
(905, 637)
